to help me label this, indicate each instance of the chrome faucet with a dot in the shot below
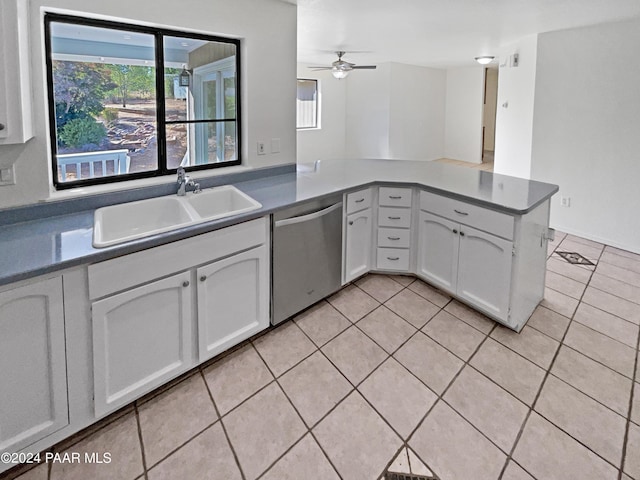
(184, 181)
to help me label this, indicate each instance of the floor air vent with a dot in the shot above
(407, 466)
(575, 258)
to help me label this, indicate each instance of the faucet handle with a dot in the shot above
(181, 174)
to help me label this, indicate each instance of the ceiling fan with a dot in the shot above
(340, 68)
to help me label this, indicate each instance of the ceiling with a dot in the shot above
(437, 33)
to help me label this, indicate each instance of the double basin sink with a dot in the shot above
(128, 221)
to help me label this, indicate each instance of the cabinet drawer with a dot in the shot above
(394, 217)
(482, 218)
(392, 259)
(393, 237)
(358, 200)
(394, 197)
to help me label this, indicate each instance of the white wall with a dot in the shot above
(586, 130)
(367, 118)
(463, 117)
(396, 111)
(514, 124)
(328, 141)
(416, 111)
(268, 32)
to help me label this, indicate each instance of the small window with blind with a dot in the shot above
(307, 111)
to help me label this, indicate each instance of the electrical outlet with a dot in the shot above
(7, 176)
(261, 148)
(565, 201)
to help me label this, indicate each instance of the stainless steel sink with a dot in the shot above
(128, 221)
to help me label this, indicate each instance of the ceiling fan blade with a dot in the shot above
(364, 67)
(320, 68)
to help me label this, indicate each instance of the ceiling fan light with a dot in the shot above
(339, 73)
(484, 59)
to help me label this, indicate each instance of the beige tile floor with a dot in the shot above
(389, 362)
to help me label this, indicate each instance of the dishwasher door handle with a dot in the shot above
(309, 216)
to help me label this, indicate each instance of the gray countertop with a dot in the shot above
(43, 245)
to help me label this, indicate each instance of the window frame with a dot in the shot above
(317, 101)
(158, 34)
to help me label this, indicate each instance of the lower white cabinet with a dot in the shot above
(233, 300)
(358, 232)
(159, 312)
(141, 339)
(469, 263)
(438, 245)
(484, 271)
(33, 403)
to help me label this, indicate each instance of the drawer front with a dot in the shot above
(394, 197)
(481, 218)
(393, 237)
(122, 273)
(392, 259)
(394, 217)
(359, 200)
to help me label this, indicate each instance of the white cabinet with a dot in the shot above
(15, 77)
(469, 263)
(438, 244)
(393, 249)
(484, 271)
(33, 403)
(233, 300)
(358, 232)
(141, 339)
(144, 305)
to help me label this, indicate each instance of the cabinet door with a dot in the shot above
(484, 271)
(233, 300)
(438, 251)
(358, 234)
(141, 339)
(33, 403)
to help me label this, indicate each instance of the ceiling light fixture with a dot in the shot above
(484, 59)
(339, 73)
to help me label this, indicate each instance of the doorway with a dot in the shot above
(489, 114)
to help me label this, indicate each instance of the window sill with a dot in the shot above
(80, 192)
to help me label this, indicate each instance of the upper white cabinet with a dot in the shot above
(33, 403)
(15, 75)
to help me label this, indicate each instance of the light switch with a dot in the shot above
(275, 145)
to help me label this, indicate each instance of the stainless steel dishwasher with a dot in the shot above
(306, 256)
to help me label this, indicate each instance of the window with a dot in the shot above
(129, 101)
(307, 104)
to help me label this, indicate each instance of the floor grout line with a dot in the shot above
(630, 411)
(224, 428)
